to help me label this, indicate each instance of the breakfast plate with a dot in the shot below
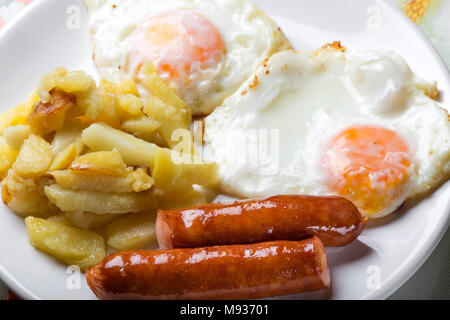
(54, 33)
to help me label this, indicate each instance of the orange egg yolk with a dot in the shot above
(368, 165)
(178, 43)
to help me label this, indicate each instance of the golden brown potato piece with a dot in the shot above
(106, 162)
(168, 175)
(26, 197)
(67, 135)
(174, 178)
(134, 151)
(170, 117)
(34, 158)
(64, 158)
(69, 81)
(87, 220)
(99, 202)
(188, 199)
(50, 116)
(16, 135)
(70, 245)
(130, 104)
(7, 157)
(61, 219)
(132, 181)
(142, 127)
(133, 232)
(162, 91)
(19, 114)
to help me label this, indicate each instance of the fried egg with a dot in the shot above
(205, 49)
(355, 123)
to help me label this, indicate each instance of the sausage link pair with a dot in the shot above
(336, 221)
(219, 272)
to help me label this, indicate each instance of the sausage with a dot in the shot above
(219, 272)
(336, 221)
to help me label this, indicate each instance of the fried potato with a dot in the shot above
(7, 157)
(172, 177)
(70, 82)
(26, 197)
(64, 158)
(19, 114)
(161, 90)
(108, 111)
(167, 175)
(133, 232)
(87, 220)
(142, 127)
(184, 200)
(16, 135)
(99, 202)
(133, 181)
(61, 219)
(171, 117)
(131, 105)
(127, 86)
(93, 175)
(34, 158)
(70, 245)
(134, 151)
(107, 162)
(49, 116)
(66, 136)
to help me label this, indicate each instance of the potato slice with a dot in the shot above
(142, 127)
(170, 117)
(87, 220)
(131, 104)
(108, 162)
(68, 81)
(139, 152)
(7, 157)
(26, 197)
(106, 109)
(49, 116)
(99, 202)
(34, 157)
(61, 219)
(173, 177)
(133, 232)
(70, 245)
(127, 86)
(162, 91)
(134, 151)
(64, 158)
(186, 200)
(65, 137)
(19, 114)
(16, 135)
(133, 181)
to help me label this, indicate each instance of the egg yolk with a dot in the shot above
(368, 165)
(178, 43)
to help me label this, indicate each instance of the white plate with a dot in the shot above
(390, 250)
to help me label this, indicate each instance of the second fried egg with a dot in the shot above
(355, 123)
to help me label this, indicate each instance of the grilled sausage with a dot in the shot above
(220, 272)
(336, 221)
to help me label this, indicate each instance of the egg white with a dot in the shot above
(248, 34)
(310, 97)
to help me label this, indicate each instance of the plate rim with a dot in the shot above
(403, 274)
(395, 280)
